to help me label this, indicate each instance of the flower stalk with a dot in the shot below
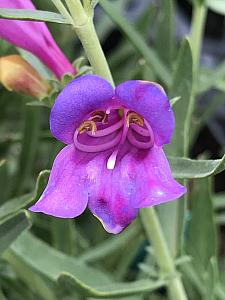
(85, 30)
(155, 236)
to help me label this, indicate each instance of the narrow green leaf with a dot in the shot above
(201, 241)
(32, 122)
(2, 296)
(137, 41)
(41, 257)
(181, 87)
(165, 32)
(174, 100)
(35, 282)
(198, 2)
(185, 168)
(209, 78)
(32, 15)
(217, 6)
(4, 181)
(113, 290)
(219, 201)
(2, 162)
(111, 245)
(44, 259)
(63, 235)
(213, 106)
(13, 205)
(11, 228)
(220, 219)
(17, 203)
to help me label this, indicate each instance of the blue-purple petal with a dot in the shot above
(80, 97)
(149, 100)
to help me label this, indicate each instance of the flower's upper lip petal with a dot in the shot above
(66, 194)
(81, 96)
(149, 100)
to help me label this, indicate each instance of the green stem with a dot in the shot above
(63, 235)
(197, 31)
(61, 8)
(85, 30)
(155, 235)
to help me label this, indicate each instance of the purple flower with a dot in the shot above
(34, 37)
(114, 162)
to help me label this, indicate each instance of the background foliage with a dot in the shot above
(48, 258)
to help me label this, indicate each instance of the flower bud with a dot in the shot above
(16, 74)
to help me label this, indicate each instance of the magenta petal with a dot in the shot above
(149, 100)
(111, 194)
(66, 194)
(152, 178)
(34, 37)
(81, 96)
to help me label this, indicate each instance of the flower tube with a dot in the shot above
(34, 37)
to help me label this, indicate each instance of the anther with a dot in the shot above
(87, 126)
(100, 116)
(134, 118)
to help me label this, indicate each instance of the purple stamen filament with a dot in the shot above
(124, 130)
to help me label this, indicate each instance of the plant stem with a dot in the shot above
(197, 31)
(85, 30)
(61, 8)
(155, 235)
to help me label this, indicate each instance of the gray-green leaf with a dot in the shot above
(32, 15)
(185, 168)
(11, 228)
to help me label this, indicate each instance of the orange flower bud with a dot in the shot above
(16, 74)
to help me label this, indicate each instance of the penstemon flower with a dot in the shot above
(114, 162)
(34, 37)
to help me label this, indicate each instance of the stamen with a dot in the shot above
(141, 145)
(129, 123)
(134, 118)
(108, 130)
(87, 126)
(140, 130)
(96, 148)
(99, 116)
(138, 144)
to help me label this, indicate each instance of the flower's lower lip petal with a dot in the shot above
(66, 195)
(114, 214)
(110, 200)
(156, 184)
